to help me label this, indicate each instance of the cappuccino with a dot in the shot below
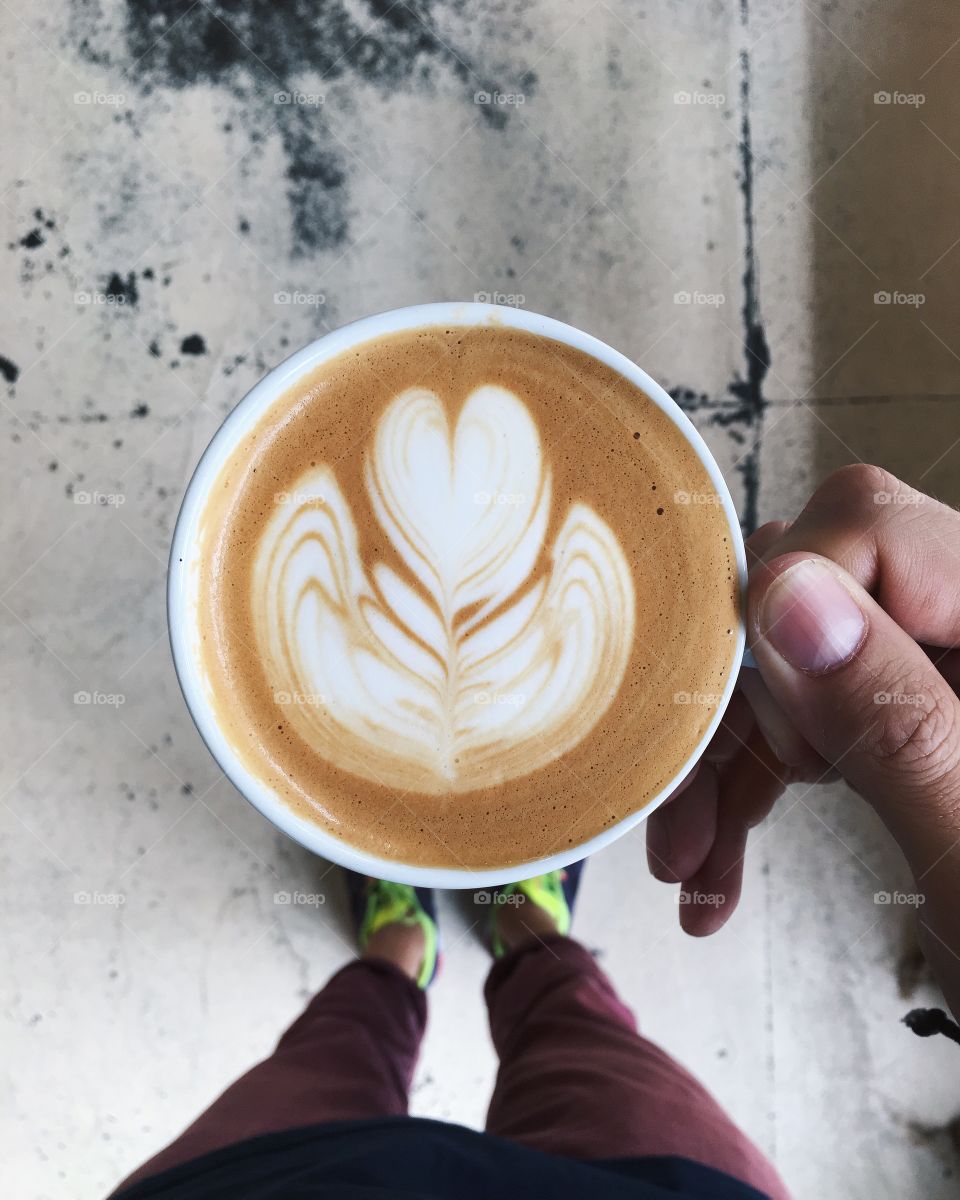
(456, 603)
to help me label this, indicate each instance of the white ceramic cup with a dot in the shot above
(183, 581)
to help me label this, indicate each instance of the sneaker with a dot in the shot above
(555, 893)
(376, 903)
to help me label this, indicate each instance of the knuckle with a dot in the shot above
(916, 734)
(852, 489)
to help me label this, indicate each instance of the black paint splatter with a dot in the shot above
(194, 344)
(259, 52)
(691, 400)
(33, 239)
(757, 352)
(123, 291)
(10, 371)
(140, 411)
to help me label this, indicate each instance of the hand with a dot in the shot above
(854, 620)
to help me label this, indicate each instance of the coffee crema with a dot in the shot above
(467, 597)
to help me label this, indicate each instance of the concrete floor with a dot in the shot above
(172, 229)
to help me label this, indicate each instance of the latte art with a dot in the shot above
(472, 667)
(447, 592)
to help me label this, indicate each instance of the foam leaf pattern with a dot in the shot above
(489, 653)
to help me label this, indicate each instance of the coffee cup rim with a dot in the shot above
(243, 417)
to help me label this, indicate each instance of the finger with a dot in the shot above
(868, 698)
(898, 544)
(749, 787)
(752, 783)
(681, 832)
(709, 897)
(759, 542)
(734, 729)
(858, 688)
(782, 736)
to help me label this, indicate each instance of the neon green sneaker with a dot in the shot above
(555, 893)
(376, 903)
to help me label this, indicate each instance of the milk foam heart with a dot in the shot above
(468, 668)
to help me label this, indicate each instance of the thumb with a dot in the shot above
(861, 691)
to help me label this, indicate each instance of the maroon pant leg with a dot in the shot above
(577, 1079)
(350, 1055)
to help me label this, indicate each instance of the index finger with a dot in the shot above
(902, 546)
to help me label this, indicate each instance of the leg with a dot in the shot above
(577, 1079)
(350, 1055)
